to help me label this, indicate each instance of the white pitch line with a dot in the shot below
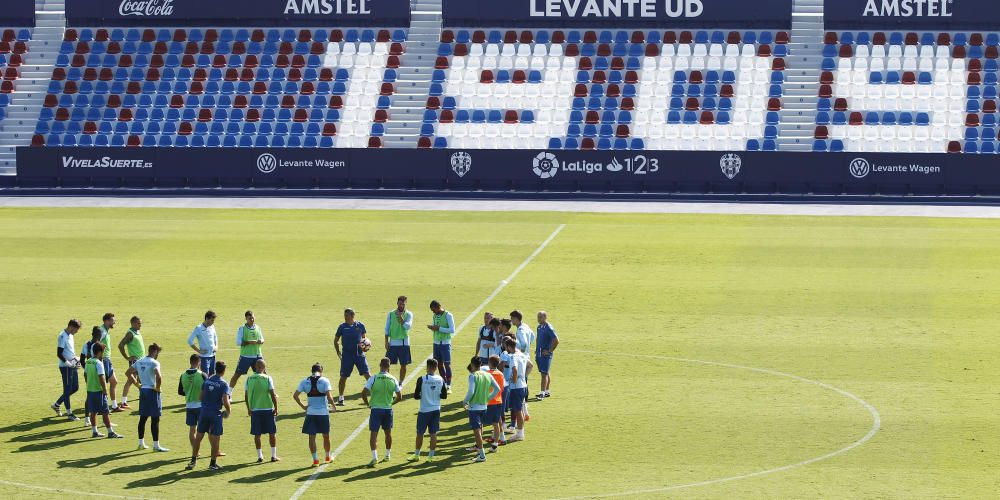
(71, 492)
(503, 284)
(876, 425)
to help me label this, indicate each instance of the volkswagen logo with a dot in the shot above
(860, 168)
(267, 163)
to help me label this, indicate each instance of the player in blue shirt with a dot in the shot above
(430, 391)
(214, 398)
(547, 343)
(352, 356)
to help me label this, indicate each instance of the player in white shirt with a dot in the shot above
(147, 371)
(525, 337)
(68, 363)
(208, 342)
(518, 364)
(430, 390)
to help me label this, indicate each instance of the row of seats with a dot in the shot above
(227, 35)
(213, 141)
(911, 38)
(163, 88)
(612, 50)
(222, 74)
(608, 36)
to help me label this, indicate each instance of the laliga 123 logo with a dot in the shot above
(730, 164)
(545, 165)
(860, 168)
(461, 163)
(267, 163)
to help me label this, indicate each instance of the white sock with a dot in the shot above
(274, 452)
(114, 404)
(156, 444)
(142, 442)
(94, 427)
(260, 454)
(374, 454)
(388, 452)
(430, 453)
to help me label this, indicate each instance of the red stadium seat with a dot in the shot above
(707, 118)
(685, 37)
(572, 50)
(558, 37)
(821, 132)
(527, 37)
(37, 141)
(447, 36)
(424, 143)
(599, 77)
(510, 117)
(774, 104)
(374, 142)
(329, 130)
(692, 104)
(133, 141)
(336, 102)
(954, 147)
(622, 131)
(253, 115)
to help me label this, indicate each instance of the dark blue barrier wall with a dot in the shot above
(17, 13)
(244, 13)
(927, 15)
(776, 14)
(529, 170)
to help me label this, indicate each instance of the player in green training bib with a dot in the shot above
(132, 348)
(482, 388)
(262, 408)
(190, 387)
(97, 392)
(384, 390)
(249, 338)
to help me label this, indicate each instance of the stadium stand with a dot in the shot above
(626, 90)
(228, 87)
(13, 47)
(908, 92)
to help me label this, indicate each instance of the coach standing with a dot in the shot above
(68, 363)
(208, 342)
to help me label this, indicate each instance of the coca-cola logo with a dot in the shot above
(146, 8)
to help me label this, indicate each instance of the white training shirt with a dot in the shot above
(66, 343)
(525, 337)
(146, 368)
(208, 340)
(520, 360)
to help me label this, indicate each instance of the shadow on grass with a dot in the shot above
(45, 435)
(91, 462)
(180, 474)
(266, 477)
(31, 425)
(128, 469)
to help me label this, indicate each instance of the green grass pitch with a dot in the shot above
(900, 313)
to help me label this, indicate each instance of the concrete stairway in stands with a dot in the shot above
(798, 113)
(32, 86)
(414, 75)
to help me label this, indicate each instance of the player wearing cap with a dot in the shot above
(482, 388)
(398, 323)
(249, 338)
(430, 391)
(145, 373)
(317, 421)
(189, 386)
(262, 408)
(208, 342)
(68, 363)
(214, 408)
(131, 348)
(97, 391)
(352, 333)
(443, 327)
(546, 346)
(385, 391)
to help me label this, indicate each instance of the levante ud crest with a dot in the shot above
(461, 163)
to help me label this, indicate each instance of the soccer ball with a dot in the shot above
(365, 345)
